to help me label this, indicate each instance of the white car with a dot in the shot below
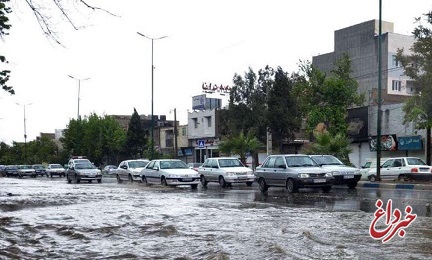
(343, 174)
(170, 172)
(225, 170)
(396, 168)
(55, 169)
(130, 170)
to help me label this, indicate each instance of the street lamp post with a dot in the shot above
(152, 71)
(79, 88)
(25, 131)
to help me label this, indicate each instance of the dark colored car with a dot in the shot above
(292, 171)
(343, 174)
(39, 169)
(83, 171)
(11, 171)
(2, 172)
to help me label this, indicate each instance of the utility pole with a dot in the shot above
(175, 134)
(378, 147)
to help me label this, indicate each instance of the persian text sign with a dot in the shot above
(392, 219)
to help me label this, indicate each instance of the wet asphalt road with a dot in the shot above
(47, 218)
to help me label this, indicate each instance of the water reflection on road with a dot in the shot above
(49, 219)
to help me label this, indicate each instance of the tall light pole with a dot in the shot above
(378, 147)
(79, 88)
(175, 133)
(152, 70)
(25, 131)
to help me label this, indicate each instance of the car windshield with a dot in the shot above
(326, 160)
(25, 167)
(137, 164)
(300, 161)
(173, 165)
(38, 167)
(223, 163)
(81, 166)
(56, 166)
(415, 161)
(12, 167)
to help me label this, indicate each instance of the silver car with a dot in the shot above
(292, 171)
(130, 170)
(343, 174)
(225, 170)
(170, 172)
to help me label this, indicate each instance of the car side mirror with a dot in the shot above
(123, 167)
(156, 168)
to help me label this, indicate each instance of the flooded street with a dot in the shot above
(47, 218)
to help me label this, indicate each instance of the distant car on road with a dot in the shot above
(55, 169)
(130, 170)
(225, 171)
(39, 169)
(2, 172)
(170, 172)
(343, 174)
(83, 171)
(194, 166)
(26, 170)
(11, 171)
(399, 168)
(109, 169)
(292, 171)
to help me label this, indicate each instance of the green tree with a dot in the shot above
(4, 27)
(240, 144)
(326, 99)
(135, 137)
(284, 117)
(418, 66)
(337, 145)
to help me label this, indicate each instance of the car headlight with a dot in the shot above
(303, 175)
(328, 174)
(335, 172)
(357, 172)
(230, 174)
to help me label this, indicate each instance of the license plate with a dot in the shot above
(348, 176)
(187, 179)
(319, 180)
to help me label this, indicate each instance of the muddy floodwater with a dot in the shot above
(46, 218)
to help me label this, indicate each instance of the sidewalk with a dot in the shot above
(396, 185)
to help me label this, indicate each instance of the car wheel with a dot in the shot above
(263, 185)
(326, 189)
(68, 179)
(144, 179)
(352, 185)
(164, 182)
(203, 181)
(222, 182)
(99, 181)
(77, 180)
(50, 175)
(290, 186)
(249, 183)
(372, 178)
(130, 178)
(118, 179)
(194, 186)
(90, 181)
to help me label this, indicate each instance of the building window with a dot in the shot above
(396, 85)
(410, 87)
(184, 133)
(209, 124)
(395, 62)
(195, 122)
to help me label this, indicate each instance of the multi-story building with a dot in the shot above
(360, 42)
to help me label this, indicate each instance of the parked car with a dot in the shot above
(194, 166)
(293, 171)
(343, 174)
(130, 170)
(2, 170)
(39, 169)
(369, 164)
(26, 170)
(170, 172)
(109, 170)
(11, 171)
(83, 171)
(55, 169)
(398, 167)
(225, 171)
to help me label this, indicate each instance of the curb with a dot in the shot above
(400, 186)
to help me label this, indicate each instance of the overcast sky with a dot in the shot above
(208, 41)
